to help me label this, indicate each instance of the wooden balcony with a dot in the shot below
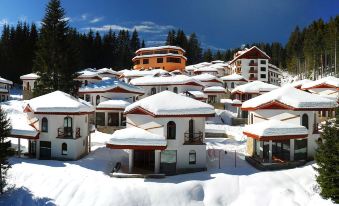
(195, 138)
(253, 78)
(67, 133)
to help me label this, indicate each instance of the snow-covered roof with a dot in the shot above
(5, 81)
(275, 127)
(159, 55)
(134, 136)
(255, 87)
(113, 104)
(233, 77)
(300, 83)
(206, 69)
(88, 73)
(109, 83)
(230, 101)
(31, 76)
(164, 80)
(167, 103)
(59, 102)
(246, 50)
(215, 89)
(206, 77)
(142, 73)
(217, 61)
(159, 48)
(196, 94)
(106, 70)
(330, 81)
(290, 97)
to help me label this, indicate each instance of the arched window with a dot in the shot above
(97, 100)
(192, 157)
(171, 130)
(153, 91)
(232, 85)
(175, 90)
(64, 149)
(44, 125)
(304, 120)
(68, 128)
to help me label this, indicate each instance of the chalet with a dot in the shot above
(109, 89)
(208, 80)
(28, 84)
(214, 94)
(163, 137)
(58, 126)
(88, 76)
(177, 84)
(233, 80)
(283, 127)
(169, 58)
(5, 86)
(105, 72)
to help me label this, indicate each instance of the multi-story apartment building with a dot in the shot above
(169, 58)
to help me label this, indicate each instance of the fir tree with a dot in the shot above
(135, 41)
(327, 158)
(5, 152)
(55, 60)
(193, 51)
(208, 56)
(143, 45)
(171, 38)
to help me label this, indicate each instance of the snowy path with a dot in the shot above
(85, 182)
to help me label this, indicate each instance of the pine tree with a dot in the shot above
(143, 45)
(208, 56)
(171, 38)
(135, 41)
(56, 60)
(327, 158)
(193, 51)
(5, 152)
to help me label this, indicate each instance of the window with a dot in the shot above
(68, 128)
(100, 118)
(145, 61)
(171, 130)
(86, 82)
(137, 62)
(113, 119)
(263, 69)
(87, 97)
(161, 52)
(263, 76)
(304, 120)
(262, 61)
(28, 87)
(232, 85)
(44, 125)
(175, 90)
(300, 149)
(153, 91)
(173, 60)
(64, 149)
(211, 99)
(192, 157)
(123, 120)
(160, 60)
(173, 51)
(97, 100)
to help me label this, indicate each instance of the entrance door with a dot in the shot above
(45, 150)
(168, 162)
(32, 148)
(144, 160)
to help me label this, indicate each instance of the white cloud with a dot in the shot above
(143, 27)
(96, 20)
(3, 21)
(83, 17)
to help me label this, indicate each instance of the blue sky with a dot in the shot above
(218, 23)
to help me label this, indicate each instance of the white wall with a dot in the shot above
(182, 126)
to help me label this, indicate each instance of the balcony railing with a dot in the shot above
(67, 133)
(194, 138)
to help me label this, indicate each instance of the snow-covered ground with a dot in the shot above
(87, 181)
